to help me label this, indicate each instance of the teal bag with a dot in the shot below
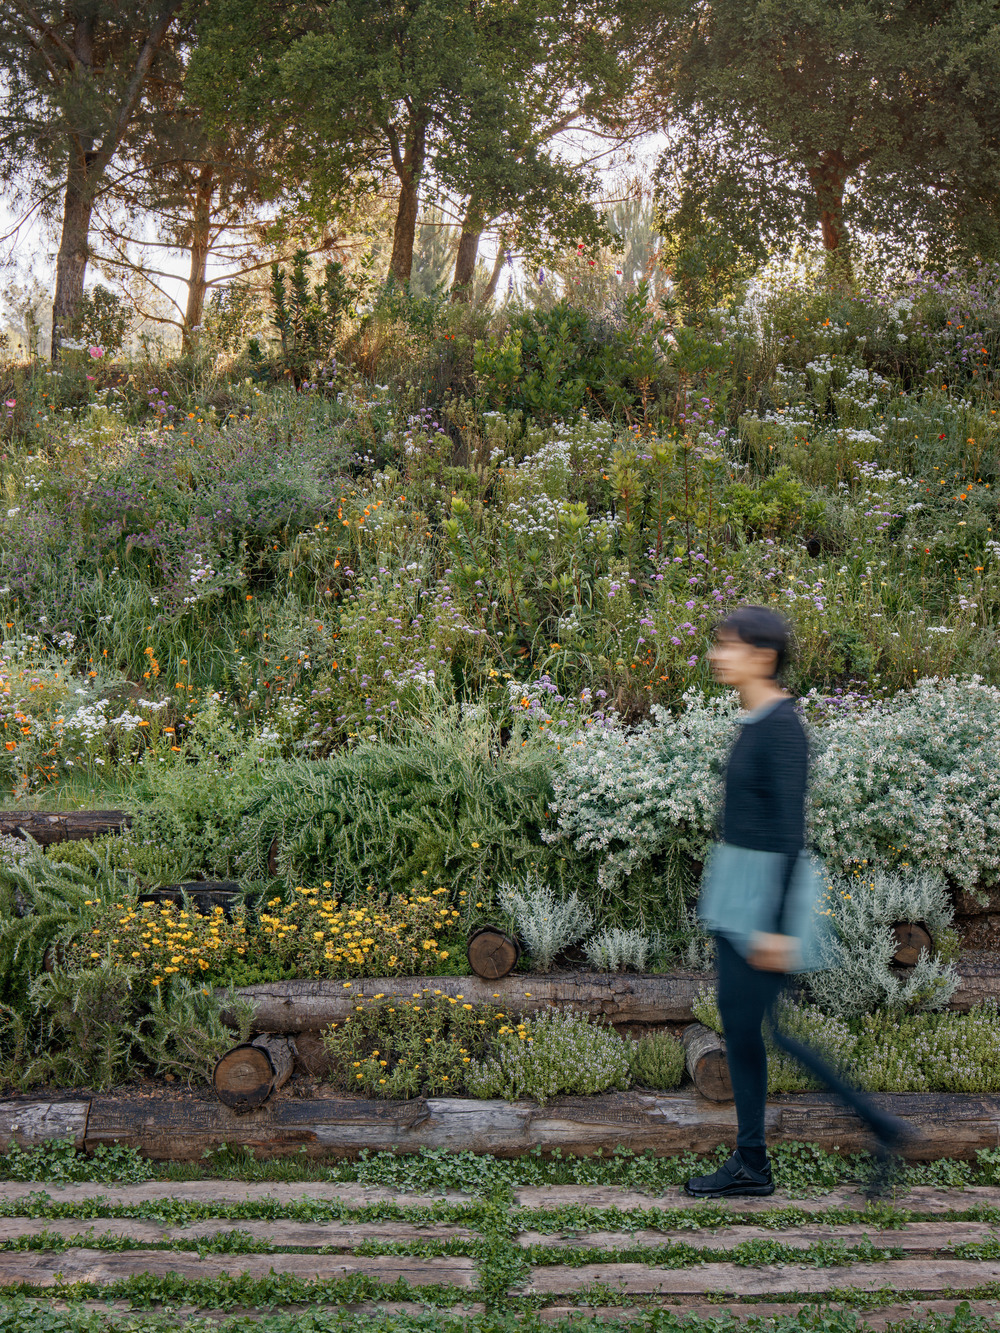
(740, 891)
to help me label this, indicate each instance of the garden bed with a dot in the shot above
(182, 1125)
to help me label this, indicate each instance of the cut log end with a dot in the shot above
(705, 1052)
(247, 1075)
(913, 938)
(492, 953)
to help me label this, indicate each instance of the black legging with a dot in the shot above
(747, 996)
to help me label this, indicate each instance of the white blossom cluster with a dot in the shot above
(628, 795)
(914, 781)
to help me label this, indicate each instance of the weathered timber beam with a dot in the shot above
(47, 826)
(306, 1005)
(309, 1004)
(949, 1125)
(26, 1122)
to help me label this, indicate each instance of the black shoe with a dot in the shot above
(731, 1178)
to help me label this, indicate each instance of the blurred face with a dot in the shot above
(739, 664)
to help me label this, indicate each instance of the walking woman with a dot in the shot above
(761, 896)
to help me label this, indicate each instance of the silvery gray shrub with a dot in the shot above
(545, 924)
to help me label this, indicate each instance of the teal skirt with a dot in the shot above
(740, 892)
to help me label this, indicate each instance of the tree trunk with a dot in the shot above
(491, 286)
(492, 953)
(409, 168)
(71, 261)
(828, 178)
(182, 1128)
(468, 251)
(312, 1003)
(46, 827)
(913, 938)
(201, 230)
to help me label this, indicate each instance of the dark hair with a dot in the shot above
(762, 628)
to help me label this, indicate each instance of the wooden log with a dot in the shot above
(47, 1268)
(980, 932)
(705, 1052)
(246, 1076)
(204, 895)
(913, 1237)
(309, 1004)
(979, 973)
(27, 1122)
(949, 1125)
(918, 1275)
(279, 1234)
(912, 938)
(47, 826)
(492, 953)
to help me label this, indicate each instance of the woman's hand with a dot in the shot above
(773, 953)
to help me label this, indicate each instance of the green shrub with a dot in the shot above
(930, 1052)
(859, 977)
(87, 1033)
(184, 1035)
(656, 1060)
(545, 924)
(618, 950)
(60, 1162)
(441, 807)
(550, 1054)
(44, 903)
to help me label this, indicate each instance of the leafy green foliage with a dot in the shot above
(87, 1034)
(553, 364)
(309, 316)
(59, 1161)
(656, 1060)
(549, 1054)
(438, 808)
(778, 504)
(423, 1046)
(47, 904)
(184, 1035)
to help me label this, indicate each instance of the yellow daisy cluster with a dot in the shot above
(404, 1047)
(373, 936)
(161, 939)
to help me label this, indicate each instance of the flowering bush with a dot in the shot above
(917, 774)
(423, 1045)
(159, 941)
(549, 1054)
(375, 935)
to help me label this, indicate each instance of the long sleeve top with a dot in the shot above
(765, 789)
